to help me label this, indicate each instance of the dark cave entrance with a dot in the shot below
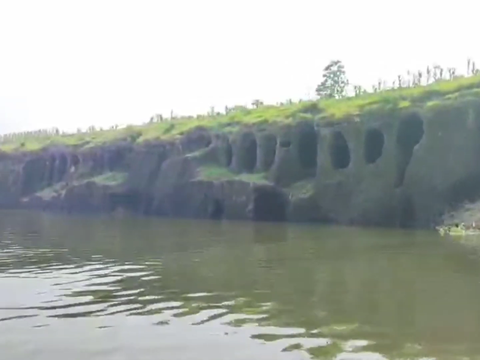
(62, 167)
(339, 151)
(410, 132)
(208, 141)
(34, 175)
(373, 145)
(248, 148)
(51, 170)
(269, 151)
(129, 200)
(216, 210)
(407, 214)
(307, 147)
(463, 190)
(269, 204)
(114, 160)
(75, 161)
(228, 154)
(285, 143)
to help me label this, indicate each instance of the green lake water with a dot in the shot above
(80, 287)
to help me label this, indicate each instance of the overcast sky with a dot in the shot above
(70, 63)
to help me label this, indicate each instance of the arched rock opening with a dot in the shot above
(339, 151)
(248, 152)
(373, 145)
(267, 151)
(216, 209)
(115, 159)
(75, 161)
(52, 160)
(62, 167)
(410, 132)
(33, 175)
(307, 147)
(269, 204)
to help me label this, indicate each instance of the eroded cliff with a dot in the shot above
(399, 167)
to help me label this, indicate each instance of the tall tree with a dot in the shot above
(335, 82)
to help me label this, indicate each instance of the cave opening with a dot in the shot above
(285, 143)
(62, 167)
(216, 210)
(228, 154)
(248, 148)
(373, 145)
(407, 215)
(129, 200)
(339, 151)
(269, 151)
(34, 175)
(463, 190)
(114, 160)
(269, 204)
(75, 160)
(51, 170)
(410, 132)
(208, 141)
(307, 147)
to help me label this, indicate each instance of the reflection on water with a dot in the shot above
(101, 288)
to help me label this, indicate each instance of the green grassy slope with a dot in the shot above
(321, 110)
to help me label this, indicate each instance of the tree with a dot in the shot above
(257, 103)
(335, 82)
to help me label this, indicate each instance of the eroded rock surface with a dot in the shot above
(402, 168)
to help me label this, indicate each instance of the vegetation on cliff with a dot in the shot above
(334, 103)
(217, 173)
(468, 213)
(110, 178)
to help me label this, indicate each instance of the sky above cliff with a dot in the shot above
(71, 64)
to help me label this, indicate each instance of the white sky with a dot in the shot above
(71, 64)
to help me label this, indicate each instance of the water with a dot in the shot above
(102, 288)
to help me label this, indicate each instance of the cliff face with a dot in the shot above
(387, 168)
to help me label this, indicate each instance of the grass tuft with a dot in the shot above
(216, 173)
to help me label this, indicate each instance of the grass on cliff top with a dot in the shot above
(322, 110)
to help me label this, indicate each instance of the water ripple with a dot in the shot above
(296, 303)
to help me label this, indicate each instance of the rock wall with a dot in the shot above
(397, 168)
